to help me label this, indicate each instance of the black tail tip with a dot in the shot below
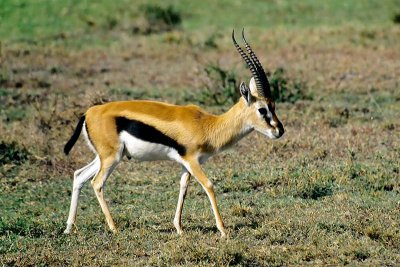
(67, 148)
(71, 142)
(66, 151)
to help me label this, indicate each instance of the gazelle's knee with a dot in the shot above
(77, 185)
(79, 181)
(82, 176)
(76, 173)
(97, 184)
(209, 185)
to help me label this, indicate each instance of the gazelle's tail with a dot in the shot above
(68, 146)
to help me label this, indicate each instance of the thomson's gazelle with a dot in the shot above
(149, 130)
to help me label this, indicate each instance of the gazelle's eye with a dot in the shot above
(262, 111)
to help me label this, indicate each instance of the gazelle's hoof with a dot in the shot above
(68, 229)
(224, 235)
(178, 228)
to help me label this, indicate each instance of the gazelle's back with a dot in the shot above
(149, 121)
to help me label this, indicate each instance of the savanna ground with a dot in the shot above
(327, 193)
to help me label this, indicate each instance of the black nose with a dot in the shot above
(281, 131)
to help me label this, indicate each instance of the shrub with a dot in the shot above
(361, 254)
(396, 18)
(12, 153)
(315, 191)
(156, 14)
(21, 227)
(286, 90)
(222, 86)
(211, 41)
(158, 19)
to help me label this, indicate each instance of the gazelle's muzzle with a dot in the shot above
(279, 130)
(276, 128)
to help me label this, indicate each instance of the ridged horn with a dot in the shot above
(259, 67)
(250, 64)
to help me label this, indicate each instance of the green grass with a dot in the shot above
(96, 22)
(325, 194)
(274, 222)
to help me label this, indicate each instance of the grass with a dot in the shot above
(325, 194)
(101, 22)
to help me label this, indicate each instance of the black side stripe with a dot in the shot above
(147, 133)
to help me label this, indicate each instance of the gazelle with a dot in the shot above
(149, 130)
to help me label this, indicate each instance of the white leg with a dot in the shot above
(182, 194)
(80, 177)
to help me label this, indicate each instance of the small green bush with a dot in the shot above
(158, 14)
(159, 19)
(286, 90)
(211, 41)
(396, 18)
(223, 86)
(361, 255)
(21, 227)
(316, 191)
(12, 153)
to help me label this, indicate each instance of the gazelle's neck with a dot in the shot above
(228, 128)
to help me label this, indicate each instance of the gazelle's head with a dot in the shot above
(258, 97)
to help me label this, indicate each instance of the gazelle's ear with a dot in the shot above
(245, 92)
(253, 86)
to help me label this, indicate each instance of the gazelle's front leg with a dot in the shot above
(207, 185)
(182, 194)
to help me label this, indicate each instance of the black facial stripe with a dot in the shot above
(266, 114)
(147, 133)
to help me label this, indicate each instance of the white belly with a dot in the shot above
(144, 151)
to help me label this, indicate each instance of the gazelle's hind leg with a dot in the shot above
(80, 177)
(107, 166)
(182, 194)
